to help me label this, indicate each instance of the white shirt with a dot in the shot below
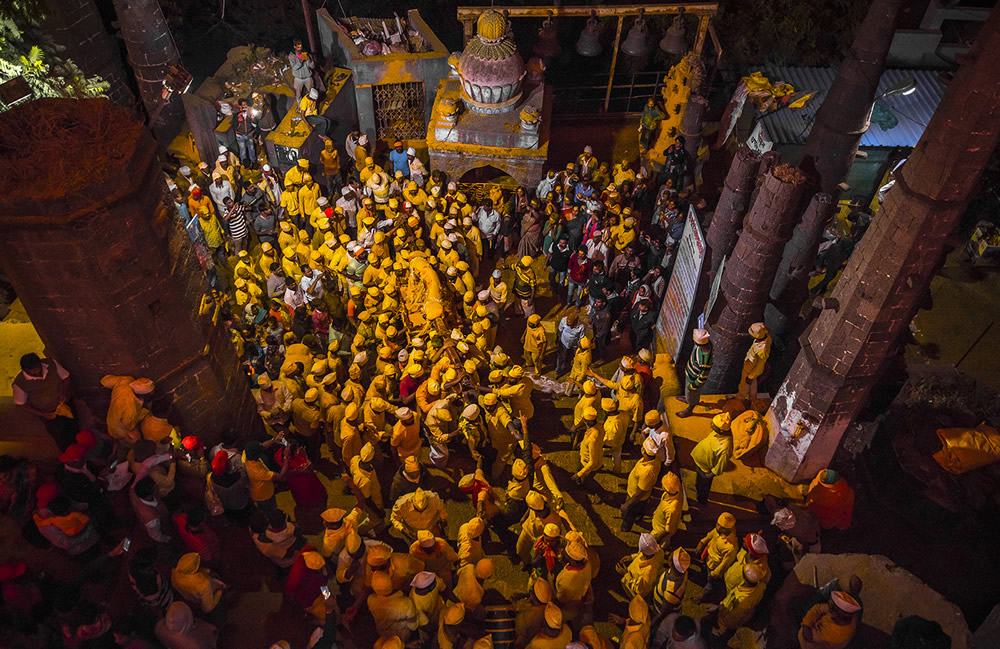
(664, 442)
(220, 192)
(21, 397)
(544, 188)
(294, 297)
(597, 250)
(314, 282)
(489, 222)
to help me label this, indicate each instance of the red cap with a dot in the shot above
(196, 191)
(220, 463)
(190, 442)
(328, 212)
(74, 453)
(46, 493)
(86, 439)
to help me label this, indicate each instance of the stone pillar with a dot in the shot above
(791, 283)
(104, 268)
(749, 272)
(884, 280)
(77, 26)
(151, 52)
(842, 119)
(732, 207)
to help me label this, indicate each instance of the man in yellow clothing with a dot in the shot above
(718, 550)
(366, 482)
(419, 511)
(641, 569)
(369, 170)
(196, 584)
(573, 583)
(533, 526)
(670, 509)
(308, 421)
(517, 391)
(738, 606)
(469, 587)
(338, 525)
(754, 363)
(616, 428)
(405, 439)
(535, 342)
(530, 617)
(591, 449)
(711, 455)
(754, 553)
(641, 480)
(591, 399)
(636, 632)
(293, 177)
(830, 625)
(470, 542)
(555, 634)
(436, 555)
(393, 612)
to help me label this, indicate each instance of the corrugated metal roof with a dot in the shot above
(791, 126)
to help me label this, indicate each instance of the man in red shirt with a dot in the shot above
(579, 275)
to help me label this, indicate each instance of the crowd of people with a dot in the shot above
(379, 310)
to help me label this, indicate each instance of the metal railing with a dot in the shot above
(586, 95)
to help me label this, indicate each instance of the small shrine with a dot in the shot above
(490, 112)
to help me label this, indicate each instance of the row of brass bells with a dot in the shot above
(547, 46)
(635, 44)
(589, 43)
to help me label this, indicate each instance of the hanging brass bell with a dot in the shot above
(547, 46)
(589, 43)
(635, 44)
(675, 40)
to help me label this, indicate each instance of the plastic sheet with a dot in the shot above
(965, 449)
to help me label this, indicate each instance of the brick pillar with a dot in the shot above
(151, 52)
(791, 283)
(749, 272)
(77, 26)
(732, 207)
(104, 268)
(889, 271)
(842, 119)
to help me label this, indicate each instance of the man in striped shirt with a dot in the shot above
(696, 372)
(236, 224)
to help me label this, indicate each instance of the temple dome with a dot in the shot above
(491, 69)
(491, 25)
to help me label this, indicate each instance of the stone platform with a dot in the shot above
(745, 478)
(489, 140)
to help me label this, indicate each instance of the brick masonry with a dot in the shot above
(791, 283)
(749, 273)
(113, 287)
(843, 355)
(732, 207)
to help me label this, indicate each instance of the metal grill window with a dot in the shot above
(400, 111)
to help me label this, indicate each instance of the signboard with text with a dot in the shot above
(675, 312)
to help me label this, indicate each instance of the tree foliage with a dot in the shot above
(27, 52)
(789, 32)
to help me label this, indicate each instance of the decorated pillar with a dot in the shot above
(104, 268)
(749, 273)
(886, 276)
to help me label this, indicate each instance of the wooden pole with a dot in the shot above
(614, 62)
(310, 31)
